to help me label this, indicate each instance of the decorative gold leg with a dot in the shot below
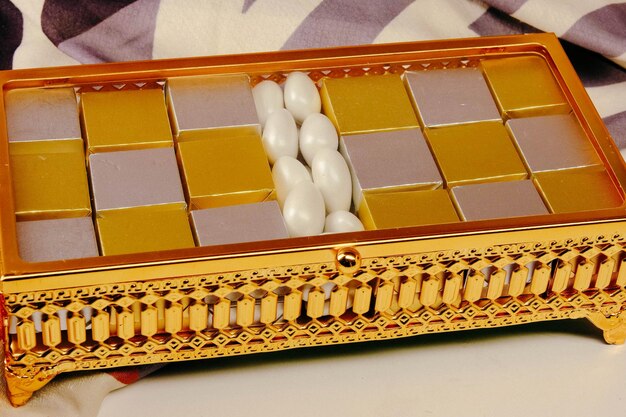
(614, 326)
(21, 388)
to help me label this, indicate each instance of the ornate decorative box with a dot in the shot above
(490, 191)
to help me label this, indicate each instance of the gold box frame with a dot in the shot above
(154, 307)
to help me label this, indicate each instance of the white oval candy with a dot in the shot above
(268, 97)
(304, 211)
(342, 221)
(286, 173)
(301, 96)
(280, 136)
(317, 132)
(332, 177)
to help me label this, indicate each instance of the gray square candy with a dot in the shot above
(450, 96)
(391, 160)
(496, 200)
(57, 239)
(42, 114)
(135, 178)
(211, 103)
(239, 223)
(551, 143)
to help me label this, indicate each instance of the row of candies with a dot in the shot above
(206, 130)
(322, 185)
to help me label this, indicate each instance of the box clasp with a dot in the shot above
(348, 260)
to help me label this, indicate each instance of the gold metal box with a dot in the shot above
(203, 302)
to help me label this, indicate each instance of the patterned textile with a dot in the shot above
(38, 33)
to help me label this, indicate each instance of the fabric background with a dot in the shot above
(38, 33)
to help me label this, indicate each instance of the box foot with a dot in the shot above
(21, 388)
(613, 326)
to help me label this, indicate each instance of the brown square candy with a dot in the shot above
(443, 97)
(396, 160)
(498, 200)
(204, 106)
(238, 223)
(135, 178)
(35, 114)
(550, 143)
(56, 239)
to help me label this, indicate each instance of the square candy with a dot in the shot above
(49, 179)
(396, 160)
(443, 97)
(225, 170)
(42, 114)
(143, 229)
(203, 106)
(476, 152)
(406, 209)
(552, 142)
(143, 177)
(122, 120)
(498, 200)
(367, 104)
(524, 86)
(240, 223)
(579, 189)
(58, 239)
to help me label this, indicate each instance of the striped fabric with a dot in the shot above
(37, 33)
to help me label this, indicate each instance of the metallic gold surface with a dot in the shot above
(518, 281)
(123, 120)
(76, 329)
(367, 104)
(51, 332)
(100, 328)
(225, 170)
(584, 273)
(524, 86)
(579, 189)
(49, 179)
(562, 277)
(26, 335)
(198, 316)
(402, 268)
(269, 308)
(407, 208)
(21, 388)
(423, 270)
(605, 273)
(620, 281)
(245, 311)
(143, 229)
(476, 152)
(613, 326)
(315, 304)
